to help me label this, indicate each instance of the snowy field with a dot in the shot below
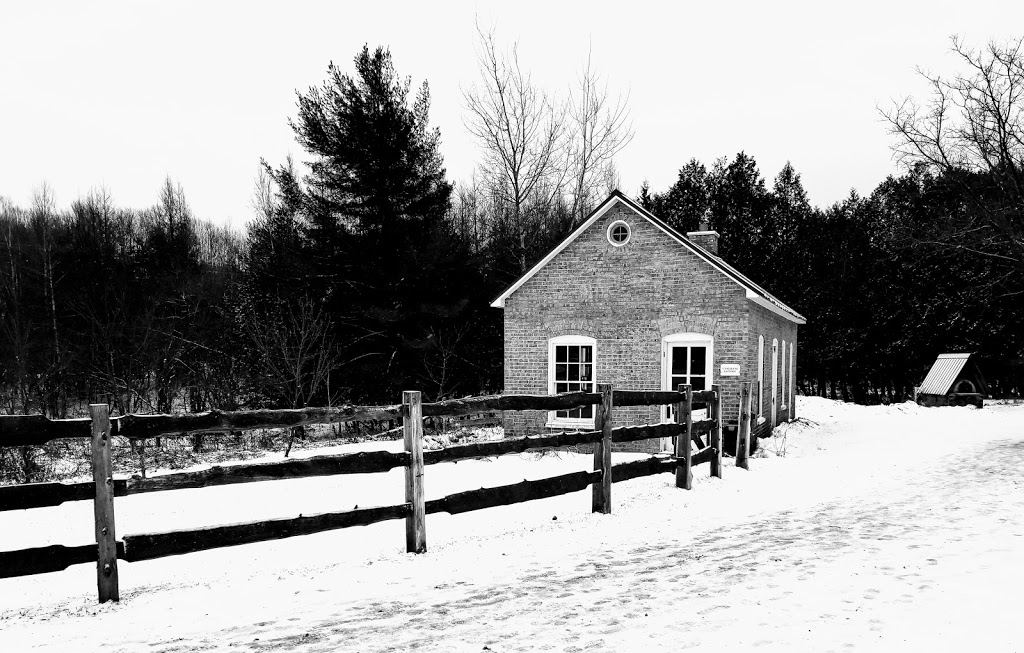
(881, 528)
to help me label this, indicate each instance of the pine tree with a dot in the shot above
(376, 167)
(789, 214)
(685, 204)
(380, 257)
(739, 211)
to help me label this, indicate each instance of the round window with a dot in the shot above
(618, 233)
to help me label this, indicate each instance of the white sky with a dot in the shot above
(123, 94)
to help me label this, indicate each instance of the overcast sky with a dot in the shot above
(124, 94)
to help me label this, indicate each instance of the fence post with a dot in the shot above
(103, 504)
(684, 462)
(416, 522)
(715, 415)
(602, 499)
(743, 428)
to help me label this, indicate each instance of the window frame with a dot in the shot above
(792, 380)
(615, 223)
(554, 421)
(775, 382)
(760, 377)
(782, 382)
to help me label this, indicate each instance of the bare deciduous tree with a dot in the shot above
(44, 219)
(439, 359)
(469, 214)
(297, 354)
(220, 246)
(599, 129)
(15, 325)
(520, 129)
(15, 331)
(971, 131)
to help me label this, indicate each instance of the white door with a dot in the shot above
(775, 379)
(685, 364)
(686, 359)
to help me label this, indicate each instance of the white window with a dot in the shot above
(783, 373)
(618, 233)
(571, 369)
(760, 375)
(775, 381)
(792, 379)
(687, 358)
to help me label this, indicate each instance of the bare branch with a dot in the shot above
(971, 133)
(600, 129)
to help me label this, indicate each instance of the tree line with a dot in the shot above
(366, 271)
(884, 284)
(129, 305)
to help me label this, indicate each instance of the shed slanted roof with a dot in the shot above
(944, 372)
(754, 292)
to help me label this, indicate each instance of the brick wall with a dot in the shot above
(628, 299)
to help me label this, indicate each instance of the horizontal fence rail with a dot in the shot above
(39, 495)
(506, 495)
(659, 397)
(364, 462)
(45, 495)
(22, 430)
(26, 430)
(44, 559)
(158, 545)
(455, 407)
(149, 546)
(151, 426)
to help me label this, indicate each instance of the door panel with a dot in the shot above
(685, 364)
(698, 360)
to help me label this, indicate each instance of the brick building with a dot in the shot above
(627, 300)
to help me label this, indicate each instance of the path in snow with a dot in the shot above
(863, 573)
(883, 532)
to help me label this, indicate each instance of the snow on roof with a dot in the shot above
(755, 293)
(944, 371)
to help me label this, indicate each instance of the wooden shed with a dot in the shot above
(953, 380)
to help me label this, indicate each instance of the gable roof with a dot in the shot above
(944, 372)
(755, 293)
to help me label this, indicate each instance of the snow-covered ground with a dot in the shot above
(880, 528)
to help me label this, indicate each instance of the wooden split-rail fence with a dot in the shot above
(27, 430)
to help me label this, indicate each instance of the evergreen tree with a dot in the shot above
(686, 204)
(376, 166)
(646, 199)
(789, 215)
(740, 206)
(276, 259)
(377, 252)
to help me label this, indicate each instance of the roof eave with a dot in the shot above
(794, 317)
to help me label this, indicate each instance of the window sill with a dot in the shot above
(580, 425)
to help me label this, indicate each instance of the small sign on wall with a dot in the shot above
(730, 369)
